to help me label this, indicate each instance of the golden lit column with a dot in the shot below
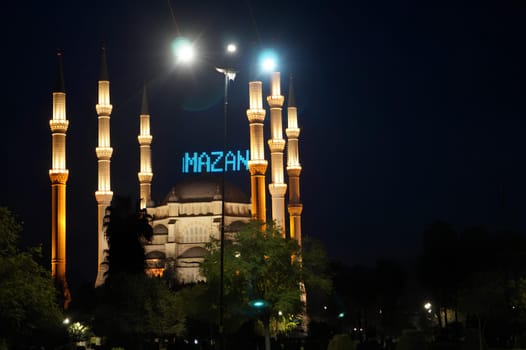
(257, 165)
(293, 171)
(293, 167)
(145, 140)
(58, 174)
(276, 143)
(104, 152)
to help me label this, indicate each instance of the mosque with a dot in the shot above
(193, 210)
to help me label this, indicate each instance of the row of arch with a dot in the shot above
(193, 234)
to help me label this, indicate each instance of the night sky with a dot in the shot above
(409, 112)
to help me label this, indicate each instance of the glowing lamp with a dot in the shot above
(231, 48)
(183, 50)
(258, 303)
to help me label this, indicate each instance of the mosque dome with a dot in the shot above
(155, 255)
(205, 189)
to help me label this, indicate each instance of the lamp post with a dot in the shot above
(230, 74)
(184, 52)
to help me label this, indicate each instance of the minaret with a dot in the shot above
(276, 143)
(293, 167)
(104, 152)
(145, 140)
(257, 165)
(293, 171)
(58, 174)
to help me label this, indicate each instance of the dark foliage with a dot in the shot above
(126, 232)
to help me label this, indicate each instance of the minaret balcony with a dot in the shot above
(104, 109)
(275, 101)
(60, 125)
(295, 209)
(277, 190)
(145, 177)
(292, 133)
(145, 139)
(104, 152)
(58, 176)
(293, 170)
(256, 115)
(103, 197)
(276, 145)
(257, 167)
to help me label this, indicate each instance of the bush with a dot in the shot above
(341, 342)
(412, 340)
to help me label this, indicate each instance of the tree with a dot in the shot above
(263, 273)
(126, 232)
(131, 305)
(390, 283)
(29, 309)
(132, 308)
(438, 268)
(483, 297)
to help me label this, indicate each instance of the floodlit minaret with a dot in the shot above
(257, 165)
(293, 171)
(293, 167)
(104, 152)
(145, 140)
(58, 174)
(276, 143)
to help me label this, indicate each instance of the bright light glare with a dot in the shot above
(427, 306)
(183, 50)
(269, 64)
(268, 61)
(231, 48)
(186, 54)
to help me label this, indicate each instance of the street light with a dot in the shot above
(230, 74)
(183, 50)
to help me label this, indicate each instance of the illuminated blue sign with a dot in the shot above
(214, 162)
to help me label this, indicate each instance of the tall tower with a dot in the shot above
(293, 171)
(276, 143)
(145, 140)
(257, 165)
(104, 152)
(58, 174)
(293, 166)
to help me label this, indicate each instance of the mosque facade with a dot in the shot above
(193, 211)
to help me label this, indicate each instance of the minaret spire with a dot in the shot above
(293, 166)
(145, 140)
(104, 151)
(276, 143)
(58, 174)
(103, 74)
(257, 165)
